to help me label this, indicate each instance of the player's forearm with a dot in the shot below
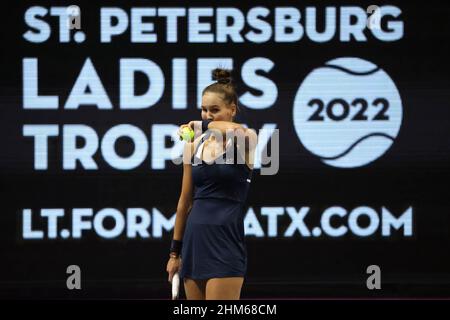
(180, 220)
(223, 126)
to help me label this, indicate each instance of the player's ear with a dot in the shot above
(233, 110)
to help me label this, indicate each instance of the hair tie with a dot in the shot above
(224, 80)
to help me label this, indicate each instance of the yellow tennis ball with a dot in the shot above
(187, 134)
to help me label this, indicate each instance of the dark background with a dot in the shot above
(413, 172)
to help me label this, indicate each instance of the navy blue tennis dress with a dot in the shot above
(213, 240)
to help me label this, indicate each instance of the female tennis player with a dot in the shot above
(208, 247)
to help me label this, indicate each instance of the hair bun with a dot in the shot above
(221, 75)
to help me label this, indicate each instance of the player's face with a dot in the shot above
(215, 108)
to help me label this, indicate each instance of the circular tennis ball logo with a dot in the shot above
(347, 112)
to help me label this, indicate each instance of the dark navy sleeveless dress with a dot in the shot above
(213, 240)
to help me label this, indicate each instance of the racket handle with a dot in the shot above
(175, 286)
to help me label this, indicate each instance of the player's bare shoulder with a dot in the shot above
(189, 148)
